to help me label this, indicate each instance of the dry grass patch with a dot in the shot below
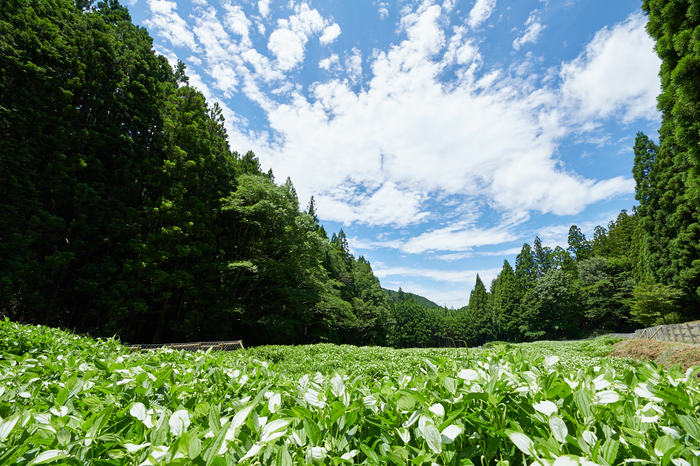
(661, 352)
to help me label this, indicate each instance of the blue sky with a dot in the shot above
(439, 135)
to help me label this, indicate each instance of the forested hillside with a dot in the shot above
(124, 211)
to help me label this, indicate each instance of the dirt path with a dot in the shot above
(666, 353)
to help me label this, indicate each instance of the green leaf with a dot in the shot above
(312, 431)
(406, 403)
(522, 441)
(583, 403)
(194, 448)
(690, 425)
(7, 425)
(283, 457)
(202, 409)
(99, 424)
(371, 455)
(609, 450)
(47, 456)
(433, 438)
(212, 449)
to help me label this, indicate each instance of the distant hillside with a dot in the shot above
(425, 302)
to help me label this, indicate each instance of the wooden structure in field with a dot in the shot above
(202, 345)
(688, 332)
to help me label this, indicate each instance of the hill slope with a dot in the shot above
(425, 302)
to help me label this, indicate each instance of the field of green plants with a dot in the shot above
(65, 399)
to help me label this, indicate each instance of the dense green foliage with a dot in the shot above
(82, 402)
(423, 301)
(123, 210)
(667, 174)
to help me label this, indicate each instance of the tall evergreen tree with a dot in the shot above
(579, 246)
(506, 305)
(667, 179)
(480, 312)
(544, 258)
(526, 268)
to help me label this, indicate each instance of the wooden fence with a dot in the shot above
(681, 333)
(202, 345)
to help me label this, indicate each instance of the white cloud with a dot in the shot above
(534, 27)
(383, 13)
(353, 65)
(409, 137)
(225, 77)
(287, 47)
(328, 62)
(458, 237)
(264, 8)
(467, 255)
(480, 12)
(617, 74)
(497, 136)
(330, 33)
(237, 22)
(467, 277)
(194, 60)
(169, 24)
(289, 40)
(386, 205)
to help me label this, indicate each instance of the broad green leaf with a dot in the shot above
(406, 403)
(609, 450)
(312, 431)
(546, 407)
(212, 449)
(202, 409)
(559, 429)
(179, 422)
(240, 417)
(690, 425)
(47, 456)
(450, 433)
(583, 403)
(450, 384)
(521, 441)
(7, 425)
(433, 438)
(283, 457)
(194, 447)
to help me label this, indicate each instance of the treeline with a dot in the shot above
(124, 212)
(593, 287)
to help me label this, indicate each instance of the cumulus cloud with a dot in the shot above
(458, 237)
(480, 12)
(288, 41)
(264, 8)
(353, 65)
(330, 33)
(381, 154)
(532, 31)
(617, 74)
(169, 25)
(328, 62)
